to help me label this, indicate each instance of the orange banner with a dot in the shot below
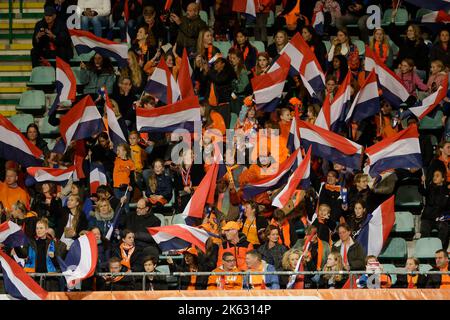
(325, 294)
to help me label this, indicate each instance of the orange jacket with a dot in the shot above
(225, 282)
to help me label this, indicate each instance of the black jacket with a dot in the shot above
(125, 284)
(201, 281)
(139, 224)
(62, 42)
(105, 156)
(436, 201)
(323, 283)
(434, 280)
(61, 222)
(402, 281)
(438, 53)
(409, 49)
(222, 83)
(355, 255)
(157, 283)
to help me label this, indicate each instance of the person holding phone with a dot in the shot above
(95, 13)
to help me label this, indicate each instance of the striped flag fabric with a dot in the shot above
(14, 146)
(162, 85)
(401, 150)
(181, 114)
(113, 128)
(244, 6)
(332, 115)
(436, 17)
(393, 89)
(367, 100)
(12, 235)
(66, 84)
(18, 284)
(167, 5)
(81, 260)
(376, 228)
(97, 177)
(429, 103)
(294, 135)
(82, 121)
(273, 181)
(432, 5)
(330, 146)
(46, 174)
(184, 79)
(268, 87)
(299, 177)
(85, 41)
(179, 236)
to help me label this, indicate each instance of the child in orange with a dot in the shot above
(138, 157)
(285, 122)
(123, 173)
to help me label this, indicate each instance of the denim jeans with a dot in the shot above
(123, 29)
(97, 23)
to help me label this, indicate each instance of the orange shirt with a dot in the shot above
(122, 170)
(445, 279)
(218, 122)
(138, 157)
(285, 127)
(250, 230)
(9, 196)
(447, 166)
(225, 282)
(384, 128)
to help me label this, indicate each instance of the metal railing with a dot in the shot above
(11, 16)
(144, 275)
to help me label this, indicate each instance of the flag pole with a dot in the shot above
(116, 217)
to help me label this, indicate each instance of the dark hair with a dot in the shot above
(103, 135)
(315, 37)
(443, 251)
(148, 99)
(334, 171)
(227, 254)
(106, 67)
(35, 126)
(345, 226)
(114, 260)
(105, 188)
(255, 253)
(125, 232)
(153, 259)
(270, 228)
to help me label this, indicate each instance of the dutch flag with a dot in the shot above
(318, 21)
(12, 235)
(273, 181)
(268, 87)
(85, 41)
(299, 177)
(113, 128)
(97, 177)
(162, 85)
(429, 103)
(367, 100)
(81, 260)
(14, 146)
(399, 151)
(82, 121)
(181, 114)
(46, 174)
(18, 284)
(376, 228)
(245, 6)
(432, 5)
(184, 77)
(294, 136)
(66, 84)
(179, 236)
(332, 115)
(330, 146)
(436, 17)
(393, 90)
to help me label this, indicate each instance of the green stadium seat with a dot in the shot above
(425, 267)
(178, 219)
(404, 222)
(259, 45)
(42, 76)
(390, 268)
(48, 130)
(161, 218)
(434, 123)
(395, 250)
(426, 247)
(21, 121)
(223, 46)
(32, 100)
(395, 48)
(401, 18)
(204, 16)
(361, 46)
(327, 45)
(408, 198)
(270, 20)
(233, 120)
(82, 57)
(421, 12)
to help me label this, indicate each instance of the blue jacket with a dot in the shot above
(30, 264)
(270, 280)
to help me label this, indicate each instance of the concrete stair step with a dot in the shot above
(14, 47)
(20, 67)
(17, 25)
(27, 34)
(38, 14)
(26, 5)
(12, 89)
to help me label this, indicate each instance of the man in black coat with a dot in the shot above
(116, 283)
(437, 280)
(138, 223)
(51, 39)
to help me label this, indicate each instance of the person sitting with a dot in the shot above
(439, 281)
(114, 282)
(10, 192)
(236, 243)
(374, 278)
(157, 282)
(271, 251)
(102, 217)
(411, 281)
(128, 252)
(95, 13)
(226, 282)
(50, 39)
(98, 72)
(352, 252)
(159, 190)
(190, 264)
(333, 281)
(24, 218)
(259, 282)
(253, 225)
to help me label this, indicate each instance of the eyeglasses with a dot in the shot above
(233, 260)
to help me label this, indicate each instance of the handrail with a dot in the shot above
(10, 23)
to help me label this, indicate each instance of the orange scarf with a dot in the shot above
(126, 256)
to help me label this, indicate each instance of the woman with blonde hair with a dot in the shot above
(205, 45)
(412, 46)
(70, 221)
(102, 216)
(333, 281)
(280, 41)
(134, 71)
(289, 263)
(144, 46)
(379, 44)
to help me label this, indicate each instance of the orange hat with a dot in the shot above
(248, 101)
(295, 101)
(191, 250)
(232, 225)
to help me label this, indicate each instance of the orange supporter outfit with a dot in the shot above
(138, 157)
(384, 127)
(218, 122)
(285, 127)
(122, 170)
(9, 196)
(225, 282)
(447, 166)
(445, 279)
(293, 15)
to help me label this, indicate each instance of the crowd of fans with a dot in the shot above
(254, 235)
